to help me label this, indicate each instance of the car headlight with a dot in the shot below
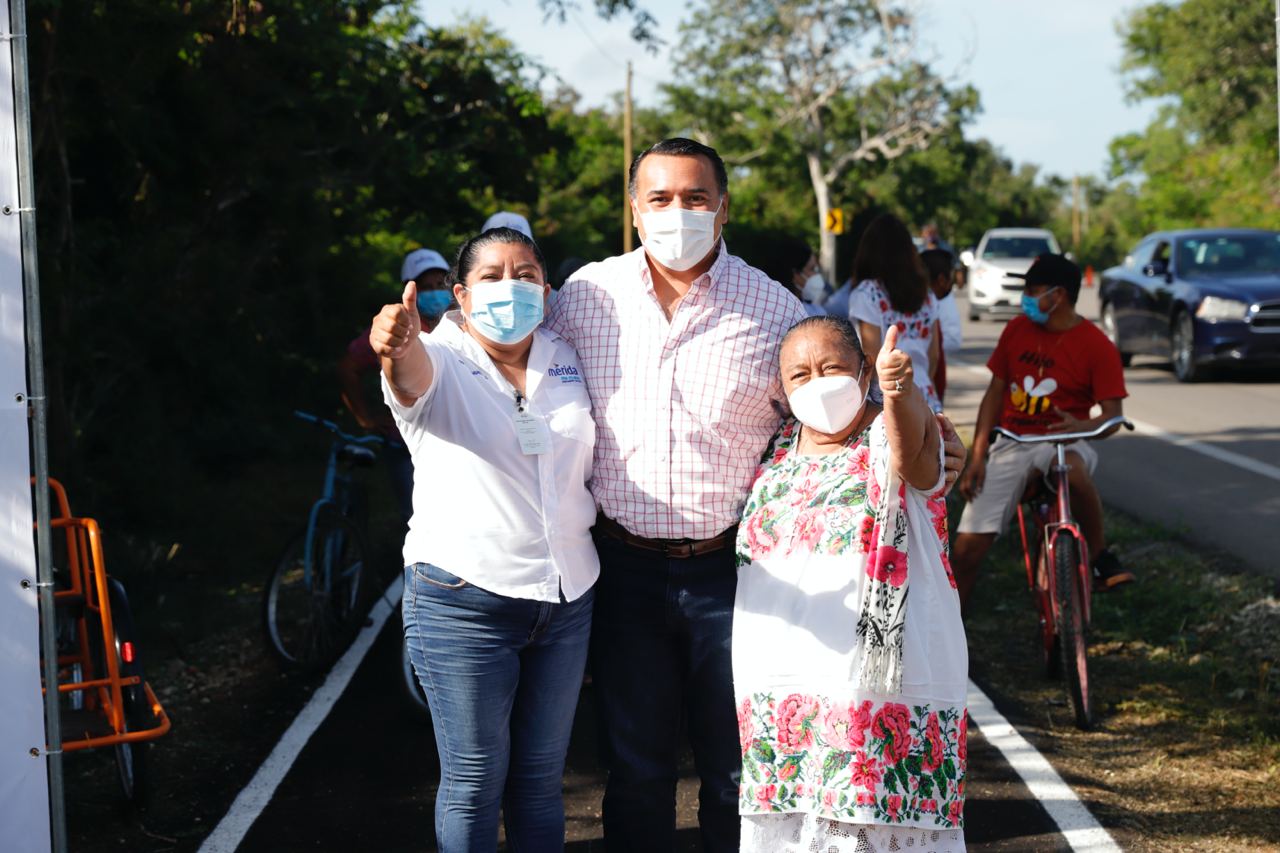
(1217, 308)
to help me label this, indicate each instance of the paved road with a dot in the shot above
(1203, 498)
(367, 781)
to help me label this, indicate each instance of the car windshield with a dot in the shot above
(1016, 247)
(1214, 255)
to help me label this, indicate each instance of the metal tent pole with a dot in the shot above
(39, 417)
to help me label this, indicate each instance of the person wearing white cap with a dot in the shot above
(429, 269)
(508, 219)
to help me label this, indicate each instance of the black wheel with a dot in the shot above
(310, 616)
(1183, 345)
(1072, 633)
(1112, 331)
(131, 758)
(974, 316)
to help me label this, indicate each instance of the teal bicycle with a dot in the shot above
(317, 594)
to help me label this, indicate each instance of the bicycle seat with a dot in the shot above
(354, 454)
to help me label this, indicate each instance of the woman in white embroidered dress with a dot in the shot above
(849, 656)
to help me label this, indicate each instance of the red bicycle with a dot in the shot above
(1058, 572)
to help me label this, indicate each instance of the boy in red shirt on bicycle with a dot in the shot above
(1049, 369)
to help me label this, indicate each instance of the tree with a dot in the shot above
(834, 84)
(1210, 157)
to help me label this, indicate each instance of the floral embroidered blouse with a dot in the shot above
(811, 740)
(870, 304)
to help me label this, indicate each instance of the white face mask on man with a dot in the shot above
(678, 238)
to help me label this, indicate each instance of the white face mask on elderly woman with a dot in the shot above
(679, 238)
(827, 404)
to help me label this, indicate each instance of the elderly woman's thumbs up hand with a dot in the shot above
(893, 366)
(396, 325)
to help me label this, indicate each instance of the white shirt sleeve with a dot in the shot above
(949, 318)
(406, 415)
(864, 305)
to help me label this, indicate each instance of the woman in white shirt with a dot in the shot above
(499, 559)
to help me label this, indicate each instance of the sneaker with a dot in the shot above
(1108, 573)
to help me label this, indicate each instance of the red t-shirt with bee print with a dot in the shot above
(1044, 370)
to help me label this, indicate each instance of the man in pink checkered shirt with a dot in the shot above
(678, 345)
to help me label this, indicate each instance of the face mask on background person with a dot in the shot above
(827, 404)
(433, 303)
(505, 312)
(815, 287)
(679, 238)
(1031, 307)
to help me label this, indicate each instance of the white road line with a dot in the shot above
(1239, 460)
(250, 802)
(1081, 830)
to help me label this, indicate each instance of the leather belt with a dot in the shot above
(675, 549)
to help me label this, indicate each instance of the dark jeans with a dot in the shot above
(502, 677)
(660, 657)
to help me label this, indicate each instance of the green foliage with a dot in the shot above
(225, 197)
(1210, 157)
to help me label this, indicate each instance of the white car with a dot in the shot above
(1003, 251)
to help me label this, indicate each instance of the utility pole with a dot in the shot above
(1278, 67)
(1075, 211)
(626, 164)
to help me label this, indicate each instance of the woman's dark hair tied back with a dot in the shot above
(470, 250)
(842, 327)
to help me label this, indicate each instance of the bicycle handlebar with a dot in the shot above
(337, 430)
(1063, 437)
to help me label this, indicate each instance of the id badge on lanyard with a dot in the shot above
(531, 430)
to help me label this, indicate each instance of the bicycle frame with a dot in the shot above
(333, 495)
(103, 691)
(1058, 618)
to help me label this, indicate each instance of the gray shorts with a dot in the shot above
(1008, 466)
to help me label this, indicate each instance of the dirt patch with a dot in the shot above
(1186, 752)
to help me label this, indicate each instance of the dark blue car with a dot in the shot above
(1198, 297)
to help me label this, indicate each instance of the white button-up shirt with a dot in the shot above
(510, 523)
(684, 407)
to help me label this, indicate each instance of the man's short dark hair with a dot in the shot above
(678, 146)
(937, 262)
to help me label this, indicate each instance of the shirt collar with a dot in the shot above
(702, 283)
(540, 354)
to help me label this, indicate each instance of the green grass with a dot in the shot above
(1176, 691)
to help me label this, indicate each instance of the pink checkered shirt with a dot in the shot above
(684, 408)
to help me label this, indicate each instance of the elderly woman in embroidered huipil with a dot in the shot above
(849, 656)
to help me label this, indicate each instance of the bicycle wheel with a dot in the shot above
(309, 615)
(1072, 639)
(131, 758)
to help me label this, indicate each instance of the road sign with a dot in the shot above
(835, 221)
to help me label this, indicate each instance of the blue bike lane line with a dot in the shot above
(255, 796)
(1078, 828)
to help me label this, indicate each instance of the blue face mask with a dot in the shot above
(433, 303)
(505, 312)
(1031, 307)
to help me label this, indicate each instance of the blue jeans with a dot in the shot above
(660, 660)
(502, 677)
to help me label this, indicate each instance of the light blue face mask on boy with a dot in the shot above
(433, 303)
(1031, 307)
(506, 312)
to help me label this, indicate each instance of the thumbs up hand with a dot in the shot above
(397, 325)
(893, 366)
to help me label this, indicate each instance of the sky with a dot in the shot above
(1047, 71)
